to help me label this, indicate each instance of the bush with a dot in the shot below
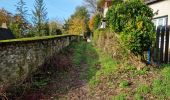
(133, 21)
(95, 22)
(110, 44)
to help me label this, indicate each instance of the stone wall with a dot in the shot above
(19, 58)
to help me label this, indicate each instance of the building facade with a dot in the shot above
(161, 9)
(106, 6)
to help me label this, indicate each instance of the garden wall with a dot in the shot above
(19, 58)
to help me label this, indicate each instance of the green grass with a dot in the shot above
(121, 96)
(142, 71)
(101, 65)
(33, 38)
(108, 66)
(143, 89)
(85, 55)
(138, 96)
(98, 64)
(161, 85)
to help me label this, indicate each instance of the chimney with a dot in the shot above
(4, 26)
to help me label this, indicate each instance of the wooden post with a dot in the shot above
(167, 44)
(157, 45)
(162, 44)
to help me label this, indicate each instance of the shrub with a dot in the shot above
(95, 22)
(109, 43)
(133, 21)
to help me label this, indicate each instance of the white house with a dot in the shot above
(161, 9)
(106, 6)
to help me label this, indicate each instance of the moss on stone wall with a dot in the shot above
(20, 57)
(35, 38)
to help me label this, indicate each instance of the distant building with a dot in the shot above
(5, 33)
(106, 6)
(4, 26)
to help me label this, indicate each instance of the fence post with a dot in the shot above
(167, 44)
(162, 44)
(157, 45)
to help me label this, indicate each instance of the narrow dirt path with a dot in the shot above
(69, 85)
(79, 89)
(90, 68)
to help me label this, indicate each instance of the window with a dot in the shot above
(160, 21)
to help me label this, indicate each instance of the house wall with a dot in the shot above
(163, 7)
(105, 12)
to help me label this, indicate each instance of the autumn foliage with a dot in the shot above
(78, 22)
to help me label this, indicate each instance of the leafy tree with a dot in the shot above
(91, 5)
(22, 10)
(16, 26)
(39, 17)
(46, 29)
(133, 21)
(54, 27)
(78, 23)
(95, 22)
(76, 26)
(5, 16)
(19, 26)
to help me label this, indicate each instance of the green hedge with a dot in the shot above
(133, 21)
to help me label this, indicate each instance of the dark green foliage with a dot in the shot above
(22, 10)
(58, 32)
(40, 17)
(133, 21)
(14, 26)
(19, 24)
(97, 21)
(46, 29)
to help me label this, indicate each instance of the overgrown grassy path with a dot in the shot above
(83, 72)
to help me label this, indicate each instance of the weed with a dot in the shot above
(142, 72)
(143, 89)
(124, 84)
(138, 96)
(130, 68)
(40, 83)
(120, 97)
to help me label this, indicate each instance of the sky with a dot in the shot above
(60, 9)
